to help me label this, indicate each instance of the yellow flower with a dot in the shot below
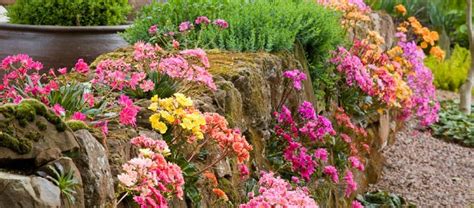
(145, 152)
(167, 116)
(167, 104)
(183, 100)
(157, 124)
(154, 99)
(401, 9)
(153, 107)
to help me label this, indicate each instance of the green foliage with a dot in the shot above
(165, 87)
(450, 73)
(64, 179)
(378, 199)
(453, 125)
(259, 25)
(69, 12)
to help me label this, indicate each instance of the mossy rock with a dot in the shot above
(21, 146)
(75, 125)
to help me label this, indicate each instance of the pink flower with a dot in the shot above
(185, 26)
(202, 20)
(62, 70)
(78, 116)
(351, 184)
(221, 23)
(59, 110)
(81, 67)
(355, 163)
(175, 44)
(321, 154)
(357, 204)
(147, 85)
(346, 138)
(89, 99)
(244, 170)
(128, 114)
(297, 76)
(331, 171)
(152, 30)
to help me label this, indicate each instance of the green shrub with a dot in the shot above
(451, 73)
(258, 25)
(69, 12)
(380, 198)
(453, 125)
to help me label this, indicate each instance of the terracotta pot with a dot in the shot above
(7, 2)
(59, 46)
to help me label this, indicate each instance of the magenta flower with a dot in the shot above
(221, 23)
(244, 170)
(307, 111)
(129, 111)
(81, 66)
(185, 26)
(78, 116)
(297, 76)
(357, 204)
(321, 154)
(202, 20)
(351, 184)
(332, 172)
(89, 99)
(355, 163)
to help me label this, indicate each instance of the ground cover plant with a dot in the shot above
(453, 125)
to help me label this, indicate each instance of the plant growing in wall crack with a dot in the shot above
(64, 180)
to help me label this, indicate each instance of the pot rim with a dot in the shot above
(70, 29)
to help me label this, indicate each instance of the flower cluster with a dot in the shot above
(353, 11)
(177, 111)
(295, 132)
(296, 76)
(424, 36)
(228, 139)
(276, 192)
(149, 178)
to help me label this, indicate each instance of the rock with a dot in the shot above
(47, 156)
(68, 166)
(17, 191)
(31, 129)
(95, 171)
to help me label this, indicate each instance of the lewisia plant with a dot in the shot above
(149, 178)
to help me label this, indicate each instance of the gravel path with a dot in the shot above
(428, 172)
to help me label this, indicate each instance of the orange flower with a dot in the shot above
(221, 194)
(437, 52)
(401, 9)
(424, 45)
(211, 177)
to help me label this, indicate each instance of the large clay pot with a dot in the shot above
(59, 46)
(7, 2)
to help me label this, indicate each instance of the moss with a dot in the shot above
(60, 127)
(41, 125)
(25, 111)
(8, 110)
(33, 135)
(23, 122)
(21, 146)
(76, 125)
(39, 107)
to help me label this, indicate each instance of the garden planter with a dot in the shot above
(59, 46)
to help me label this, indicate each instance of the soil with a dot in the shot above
(427, 171)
